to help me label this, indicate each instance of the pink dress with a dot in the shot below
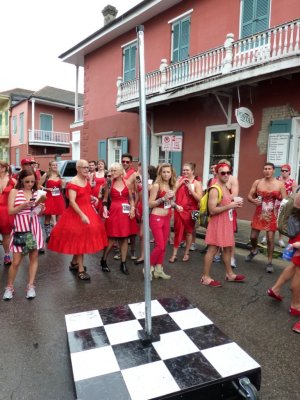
(23, 223)
(220, 228)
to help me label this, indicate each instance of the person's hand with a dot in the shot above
(27, 204)
(85, 219)
(105, 212)
(169, 195)
(179, 208)
(132, 213)
(237, 203)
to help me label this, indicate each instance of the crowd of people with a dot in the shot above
(102, 210)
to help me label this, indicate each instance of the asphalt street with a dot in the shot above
(35, 362)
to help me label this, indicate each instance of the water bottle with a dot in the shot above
(288, 252)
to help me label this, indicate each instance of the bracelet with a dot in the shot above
(104, 203)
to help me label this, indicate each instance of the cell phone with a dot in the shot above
(32, 199)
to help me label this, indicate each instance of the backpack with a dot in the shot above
(203, 211)
(284, 213)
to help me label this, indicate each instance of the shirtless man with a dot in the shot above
(265, 194)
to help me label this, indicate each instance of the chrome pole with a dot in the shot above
(143, 141)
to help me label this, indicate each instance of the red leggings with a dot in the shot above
(160, 227)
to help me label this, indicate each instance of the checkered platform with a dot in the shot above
(110, 363)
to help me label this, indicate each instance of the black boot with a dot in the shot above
(104, 265)
(123, 268)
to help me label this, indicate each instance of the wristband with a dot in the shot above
(104, 203)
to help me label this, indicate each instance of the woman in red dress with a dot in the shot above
(99, 182)
(188, 195)
(118, 218)
(7, 183)
(52, 183)
(79, 230)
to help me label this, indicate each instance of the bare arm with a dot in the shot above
(12, 209)
(234, 186)
(283, 191)
(152, 198)
(213, 207)
(252, 194)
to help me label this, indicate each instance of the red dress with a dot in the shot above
(6, 220)
(220, 228)
(55, 203)
(118, 224)
(265, 216)
(183, 220)
(99, 183)
(70, 235)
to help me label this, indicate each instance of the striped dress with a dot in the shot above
(22, 223)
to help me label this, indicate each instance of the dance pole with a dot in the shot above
(144, 335)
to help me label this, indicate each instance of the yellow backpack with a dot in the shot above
(203, 211)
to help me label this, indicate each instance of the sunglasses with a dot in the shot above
(225, 173)
(285, 170)
(125, 162)
(29, 181)
(84, 167)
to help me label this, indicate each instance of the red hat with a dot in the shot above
(286, 166)
(27, 161)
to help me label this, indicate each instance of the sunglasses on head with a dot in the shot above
(225, 173)
(284, 170)
(125, 162)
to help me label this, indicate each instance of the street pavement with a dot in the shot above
(35, 362)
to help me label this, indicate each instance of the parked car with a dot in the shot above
(67, 169)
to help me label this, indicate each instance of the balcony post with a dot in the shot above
(163, 77)
(32, 118)
(119, 90)
(227, 62)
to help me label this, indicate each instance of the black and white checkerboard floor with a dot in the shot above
(110, 363)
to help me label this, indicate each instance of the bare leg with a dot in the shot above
(270, 244)
(226, 255)
(174, 255)
(108, 248)
(208, 259)
(124, 249)
(13, 269)
(253, 239)
(188, 240)
(80, 262)
(5, 243)
(286, 275)
(33, 266)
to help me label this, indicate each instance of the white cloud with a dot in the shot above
(35, 32)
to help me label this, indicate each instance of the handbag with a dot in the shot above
(19, 238)
(26, 240)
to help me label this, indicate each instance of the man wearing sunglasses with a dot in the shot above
(220, 228)
(265, 194)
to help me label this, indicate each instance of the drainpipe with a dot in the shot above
(76, 94)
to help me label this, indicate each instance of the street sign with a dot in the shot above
(171, 143)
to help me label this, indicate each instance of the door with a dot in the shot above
(222, 141)
(46, 126)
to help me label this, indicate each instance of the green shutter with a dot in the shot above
(102, 150)
(280, 126)
(176, 157)
(124, 145)
(21, 128)
(45, 122)
(129, 62)
(181, 39)
(255, 16)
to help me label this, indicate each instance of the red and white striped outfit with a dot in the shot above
(22, 223)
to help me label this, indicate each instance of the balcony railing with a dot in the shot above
(278, 43)
(49, 138)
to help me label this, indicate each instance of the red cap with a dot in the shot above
(27, 161)
(286, 166)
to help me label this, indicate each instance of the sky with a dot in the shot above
(35, 32)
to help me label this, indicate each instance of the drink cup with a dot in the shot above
(238, 199)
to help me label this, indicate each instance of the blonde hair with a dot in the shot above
(48, 173)
(117, 166)
(172, 180)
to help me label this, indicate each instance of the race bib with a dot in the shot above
(55, 192)
(125, 208)
(167, 204)
(230, 214)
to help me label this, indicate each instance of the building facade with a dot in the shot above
(221, 82)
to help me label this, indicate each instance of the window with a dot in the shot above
(21, 138)
(181, 39)
(116, 147)
(255, 16)
(14, 124)
(129, 62)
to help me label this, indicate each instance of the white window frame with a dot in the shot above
(154, 152)
(112, 146)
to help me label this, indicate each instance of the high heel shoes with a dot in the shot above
(123, 268)
(104, 265)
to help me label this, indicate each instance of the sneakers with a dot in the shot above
(8, 293)
(269, 268)
(263, 240)
(281, 243)
(30, 292)
(251, 255)
(7, 260)
(193, 247)
(233, 263)
(117, 256)
(296, 327)
(217, 259)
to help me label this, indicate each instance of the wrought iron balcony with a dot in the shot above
(49, 138)
(275, 49)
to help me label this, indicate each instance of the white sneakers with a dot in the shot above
(9, 292)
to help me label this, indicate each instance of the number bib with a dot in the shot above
(55, 192)
(230, 215)
(167, 204)
(125, 208)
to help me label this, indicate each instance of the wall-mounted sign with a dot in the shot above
(278, 147)
(171, 143)
(244, 117)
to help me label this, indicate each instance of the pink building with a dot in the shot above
(40, 126)
(206, 62)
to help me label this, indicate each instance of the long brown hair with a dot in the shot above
(172, 180)
(22, 175)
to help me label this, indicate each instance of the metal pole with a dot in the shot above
(143, 140)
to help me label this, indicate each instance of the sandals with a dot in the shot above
(84, 276)
(74, 267)
(186, 257)
(173, 259)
